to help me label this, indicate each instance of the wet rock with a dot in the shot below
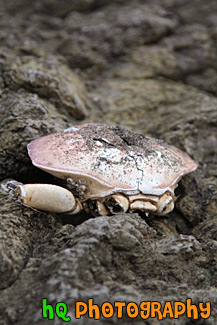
(79, 267)
(49, 79)
(180, 56)
(158, 107)
(206, 80)
(111, 32)
(107, 33)
(196, 11)
(207, 230)
(150, 67)
(55, 7)
(18, 233)
(24, 117)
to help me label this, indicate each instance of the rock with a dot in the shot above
(111, 32)
(24, 116)
(188, 51)
(148, 66)
(55, 8)
(49, 79)
(78, 265)
(19, 232)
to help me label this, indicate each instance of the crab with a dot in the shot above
(106, 170)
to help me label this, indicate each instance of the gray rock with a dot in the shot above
(19, 232)
(54, 7)
(150, 67)
(24, 116)
(49, 79)
(111, 32)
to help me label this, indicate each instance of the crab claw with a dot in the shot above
(47, 197)
(117, 204)
(77, 209)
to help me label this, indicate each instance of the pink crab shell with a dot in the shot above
(111, 159)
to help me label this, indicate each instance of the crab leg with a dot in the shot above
(48, 197)
(165, 204)
(117, 204)
(98, 208)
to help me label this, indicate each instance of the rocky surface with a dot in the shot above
(150, 67)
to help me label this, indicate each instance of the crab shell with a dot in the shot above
(111, 160)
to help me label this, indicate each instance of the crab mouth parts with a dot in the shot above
(119, 203)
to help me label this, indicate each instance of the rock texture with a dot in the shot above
(149, 66)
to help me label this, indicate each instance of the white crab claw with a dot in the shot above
(117, 204)
(142, 205)
(47, 197)
(78, 208)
